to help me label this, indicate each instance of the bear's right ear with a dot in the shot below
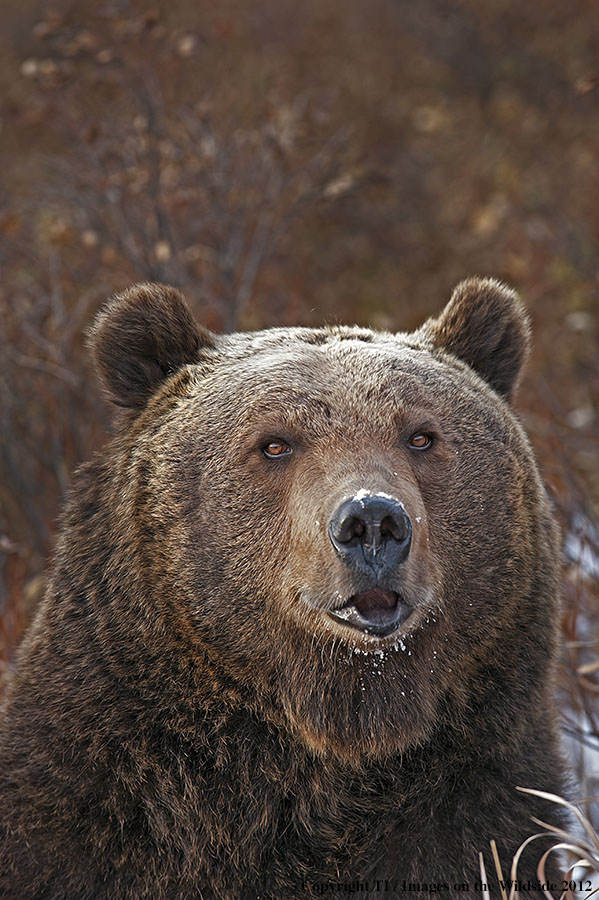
(140, 338)
(486, 326)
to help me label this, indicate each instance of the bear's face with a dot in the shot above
(345, 519)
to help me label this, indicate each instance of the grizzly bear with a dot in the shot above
(301, 631)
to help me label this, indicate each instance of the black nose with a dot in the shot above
(371, 533)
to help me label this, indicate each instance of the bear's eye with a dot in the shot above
(420, 441)
(276, 448)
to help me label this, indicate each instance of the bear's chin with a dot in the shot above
(380, 728)
(369, 700)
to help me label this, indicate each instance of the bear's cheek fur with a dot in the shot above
(230, 545)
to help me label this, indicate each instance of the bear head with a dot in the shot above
(348, 525)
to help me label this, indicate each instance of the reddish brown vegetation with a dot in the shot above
(289, 164)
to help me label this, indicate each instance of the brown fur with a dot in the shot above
(186, 721)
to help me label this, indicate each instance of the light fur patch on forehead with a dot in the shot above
(341, 386)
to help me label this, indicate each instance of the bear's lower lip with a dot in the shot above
(378, 611)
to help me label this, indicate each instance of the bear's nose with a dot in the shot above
(371, 532)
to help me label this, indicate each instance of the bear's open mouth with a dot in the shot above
(377, 611)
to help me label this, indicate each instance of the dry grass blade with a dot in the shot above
(588, 828)
(541, 866)
(569, 894)
(483, 877)
(498, 869)
(514, 871)
(584, 852)
(557, 832)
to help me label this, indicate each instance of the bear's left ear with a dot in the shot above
(486, 326)
(140, 338)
